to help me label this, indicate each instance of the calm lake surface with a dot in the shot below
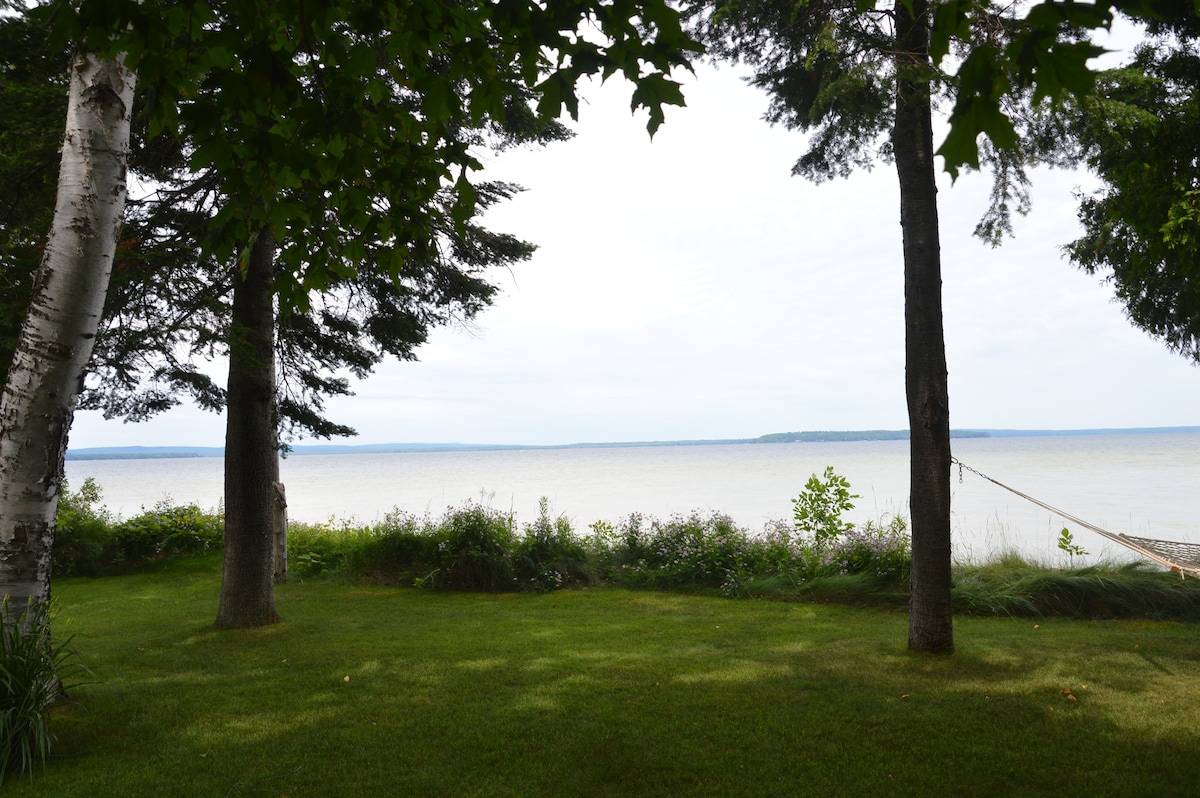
(1143, 484)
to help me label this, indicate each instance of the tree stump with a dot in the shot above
(279, 535)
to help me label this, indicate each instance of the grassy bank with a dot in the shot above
(374, 690)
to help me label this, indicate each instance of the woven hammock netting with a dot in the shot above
(1172, 554)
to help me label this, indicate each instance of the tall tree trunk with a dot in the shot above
(251, 455)
(930, 625)
(60, 327)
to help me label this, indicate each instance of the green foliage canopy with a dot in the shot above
(826, 67)
(33, 104)
(350, 131)
(1139, 135)
(347, 111)
(1045, 53)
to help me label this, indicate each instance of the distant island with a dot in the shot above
(820, 436)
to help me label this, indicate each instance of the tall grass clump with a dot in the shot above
(35, 672)
(1013, 585)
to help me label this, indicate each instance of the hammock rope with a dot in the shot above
(1174, 555)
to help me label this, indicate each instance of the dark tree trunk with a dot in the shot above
(930, 626)
(251, 455)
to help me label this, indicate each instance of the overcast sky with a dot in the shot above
(690, 288)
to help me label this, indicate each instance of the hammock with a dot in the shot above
(1174, 555)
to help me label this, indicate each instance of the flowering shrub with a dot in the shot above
(684, 551)
(779, 552)
(706, 552)
(879, 549)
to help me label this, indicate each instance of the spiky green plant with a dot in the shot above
(35, 673)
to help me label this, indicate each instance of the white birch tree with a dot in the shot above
(60, 327)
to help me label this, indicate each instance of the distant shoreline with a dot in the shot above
(818, 436)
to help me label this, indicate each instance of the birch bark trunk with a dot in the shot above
(60, 326)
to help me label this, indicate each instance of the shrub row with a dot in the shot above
(474, 547)
(469, 548)
(478, 548)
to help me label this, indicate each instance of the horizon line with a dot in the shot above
(808, 436)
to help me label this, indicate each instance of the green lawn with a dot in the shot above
(378, 691)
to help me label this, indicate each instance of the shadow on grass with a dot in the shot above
(376, 691)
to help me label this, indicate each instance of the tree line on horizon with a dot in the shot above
(817, 436)
(315, 208)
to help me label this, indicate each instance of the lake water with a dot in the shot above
(1143, 484)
